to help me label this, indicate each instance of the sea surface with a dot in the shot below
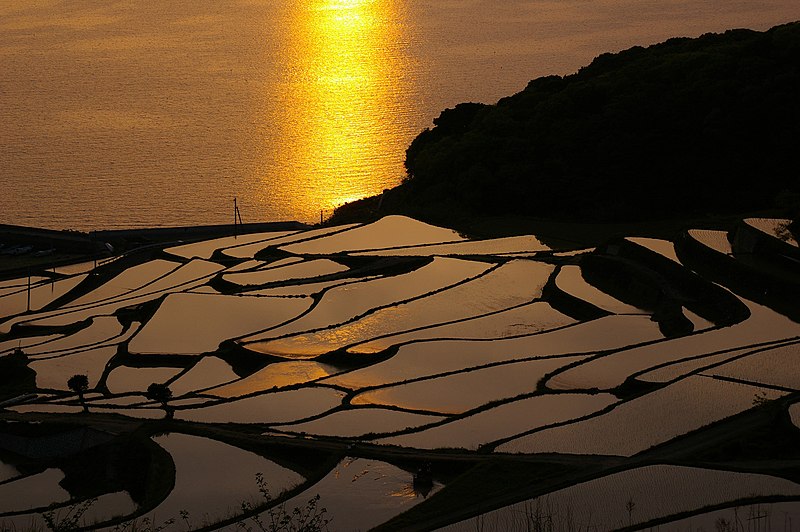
(129, 114)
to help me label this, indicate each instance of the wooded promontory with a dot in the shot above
(685, 127)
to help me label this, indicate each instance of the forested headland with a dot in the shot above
(687, 127)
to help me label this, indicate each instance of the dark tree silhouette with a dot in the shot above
(162, 394)
(688, 126)
(79, 384)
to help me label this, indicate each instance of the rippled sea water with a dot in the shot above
(125, 114)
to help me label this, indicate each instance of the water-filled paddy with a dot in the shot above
(382, 491)
(8, 471)
(355, 423)
(188, 324)
(716, 240)
(206, 248)
(207, 373)
(773, 227)
(213, 478)
(39, 296)
(525, 319)
(53, 373)
(101, 509)
(768, 515)
(34, 491)
(671, 371)
(101, 329)
(186, 277)
(243, 251)
(633, 497)
(517, 416)
(346, 302)
(302, 270)
(497, 246)
(277, 407)
(304, 289)
(275, 375)
(388, 232)
(444, 356)
(10, 345)
(124, 379)
(434, 357)
(571, 281)
(132, 278)
(763, 325)
(682, 407)
(467, 390)
(665, 248)
(775, 367)
(509, 285)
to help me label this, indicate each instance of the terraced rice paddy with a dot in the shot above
(389, 364)
(774, 228)
(205, 469)
(383, 491)
(716, 240)
(640, 495)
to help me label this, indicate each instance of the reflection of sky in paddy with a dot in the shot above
(277, 407)
(209, 371)
(40, 296)
(656, 491)
(360, 494)
(303, 270)
(716, 240)
(571, 281)
(455, 394)
(763, 325)
(775, 367)
(469, 333)
(498, 246)
(206, 248)
(348, 301)
(518, 416)
(198, 323)
(684, 406)
(278, 375)
(510, 284)
(130, 279)
(356, 422)
(243, 251)
(54, 373)
(526, 319)
(212, 478)
(186, 277)
(389, 231)
(432, 357)
(102, 328)
(35, 491)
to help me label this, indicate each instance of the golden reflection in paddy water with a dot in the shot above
(345, 84)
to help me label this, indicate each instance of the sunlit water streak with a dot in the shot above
(159, 113)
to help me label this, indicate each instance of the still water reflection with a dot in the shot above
(346, 84)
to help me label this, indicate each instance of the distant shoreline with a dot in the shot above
(68, 246)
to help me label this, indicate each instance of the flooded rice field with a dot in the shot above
(412, 378)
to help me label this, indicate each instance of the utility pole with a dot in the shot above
(237, 218)
(29, 289)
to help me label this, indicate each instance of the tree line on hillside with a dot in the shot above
(688, 126)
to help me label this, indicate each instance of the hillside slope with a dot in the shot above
(685, 127)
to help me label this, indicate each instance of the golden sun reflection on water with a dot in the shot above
(345, 83)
